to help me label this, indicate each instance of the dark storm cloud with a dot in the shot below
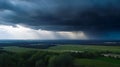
(64, 15)
(4, 4)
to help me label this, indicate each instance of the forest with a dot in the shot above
(50, 59)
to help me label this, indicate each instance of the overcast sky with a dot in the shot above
(60, 19)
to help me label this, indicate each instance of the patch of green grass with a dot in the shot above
(92, 48)
(95, 63)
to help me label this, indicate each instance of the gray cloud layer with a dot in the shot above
(63, 15)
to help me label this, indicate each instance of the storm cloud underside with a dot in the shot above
(98, 19)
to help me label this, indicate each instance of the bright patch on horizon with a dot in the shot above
(21, 32)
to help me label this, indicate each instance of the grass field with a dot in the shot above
(61, 48)
(18, 49)
(86, 48)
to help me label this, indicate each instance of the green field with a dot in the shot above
(102, 62)
(18, 49)
(86, 48)
(62, 48)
